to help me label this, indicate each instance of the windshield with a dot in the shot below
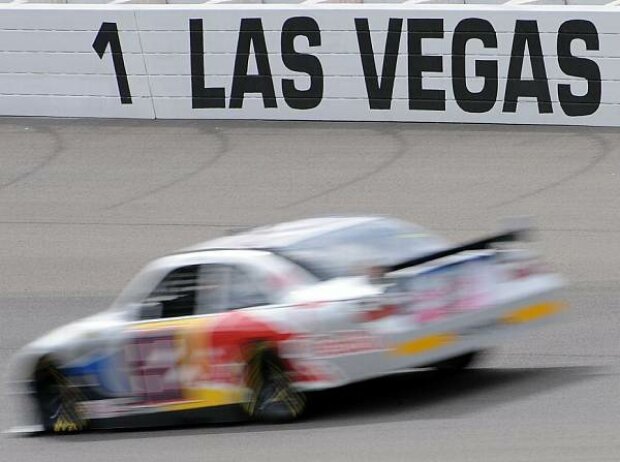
(348, 251)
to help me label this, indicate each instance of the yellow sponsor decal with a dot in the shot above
(206, 398)
(533, 312)
(63, 424)
(423, 344)
(182, 323)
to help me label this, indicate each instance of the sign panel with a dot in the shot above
(383, 62)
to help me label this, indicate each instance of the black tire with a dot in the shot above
(272, 397)
(58, 402)
(457, 363)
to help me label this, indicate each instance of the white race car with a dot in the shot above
(250, 323)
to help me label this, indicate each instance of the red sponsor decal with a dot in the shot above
(345, 342)
(380, 312)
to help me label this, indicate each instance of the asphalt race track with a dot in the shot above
(84, 204)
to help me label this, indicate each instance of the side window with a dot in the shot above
(213, 282)
(202, 289)
(243, 290)
(174, 296)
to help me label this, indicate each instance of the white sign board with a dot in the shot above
(382, 62)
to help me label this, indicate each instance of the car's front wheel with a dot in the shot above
(58, 402)
(272, 397)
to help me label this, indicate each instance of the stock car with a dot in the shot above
(248, 324)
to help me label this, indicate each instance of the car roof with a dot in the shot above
(281, 234)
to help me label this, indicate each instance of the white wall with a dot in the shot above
(48, 66)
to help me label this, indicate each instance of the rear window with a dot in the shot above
(348, 251)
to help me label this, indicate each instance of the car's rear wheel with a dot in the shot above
(272, 397)
(59, 403)
(457, 363)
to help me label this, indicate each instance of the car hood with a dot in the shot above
(63, 342)
(91, 327)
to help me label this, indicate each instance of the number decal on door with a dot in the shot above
(153, 362)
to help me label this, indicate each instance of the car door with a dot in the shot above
(181, 352)
(155, 349)
(167, 350)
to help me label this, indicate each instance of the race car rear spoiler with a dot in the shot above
(481, 244)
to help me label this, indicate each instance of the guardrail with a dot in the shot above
(515, 62)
